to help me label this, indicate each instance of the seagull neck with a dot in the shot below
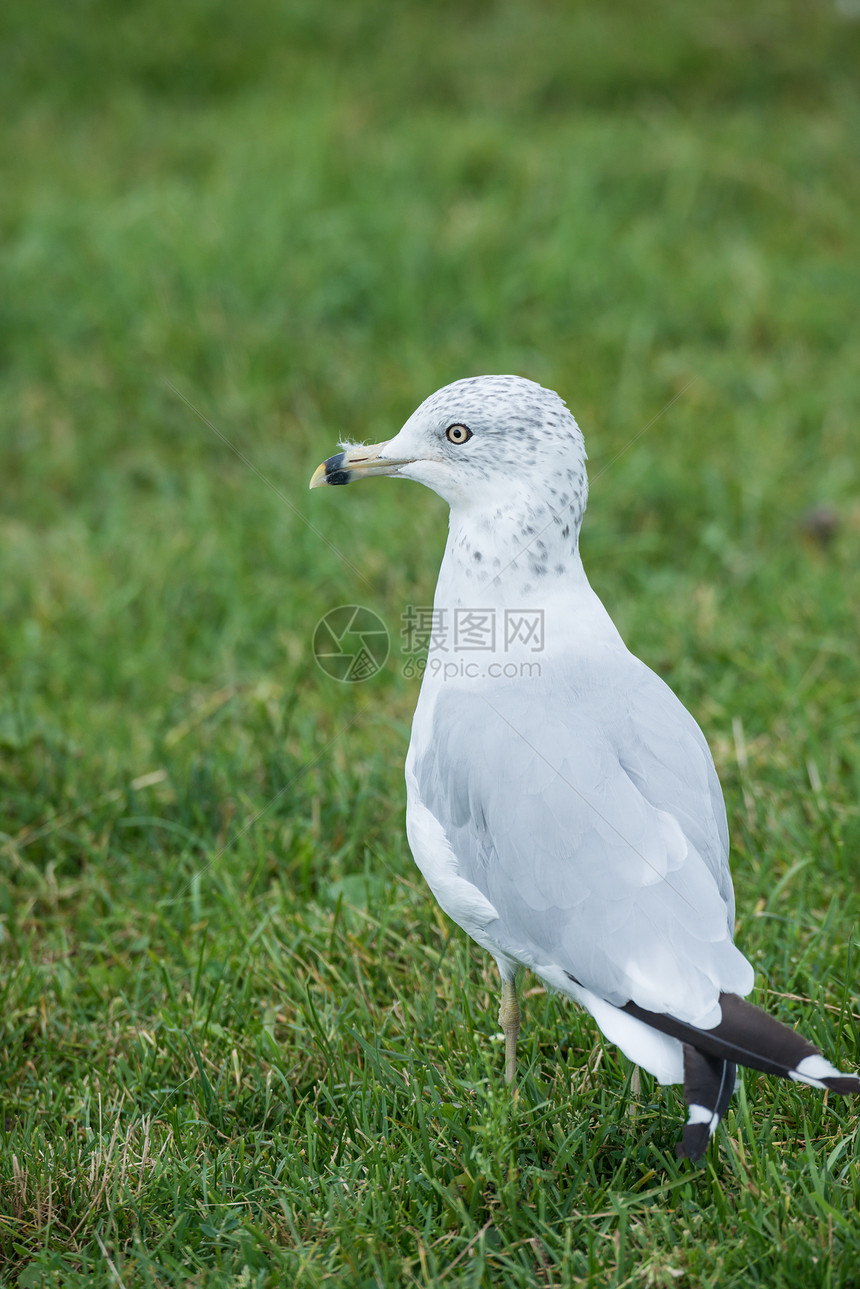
(524, 554)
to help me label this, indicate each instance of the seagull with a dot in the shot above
(562, 803)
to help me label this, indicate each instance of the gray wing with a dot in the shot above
(593, 822)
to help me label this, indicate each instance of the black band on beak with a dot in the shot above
(334, 472)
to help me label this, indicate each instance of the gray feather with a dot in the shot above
(606, 850)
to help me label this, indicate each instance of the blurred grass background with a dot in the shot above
(240, 1043)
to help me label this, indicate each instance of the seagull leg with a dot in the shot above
(509, 1019)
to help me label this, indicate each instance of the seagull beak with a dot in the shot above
(357, 463)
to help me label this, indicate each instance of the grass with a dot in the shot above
(241, 1045)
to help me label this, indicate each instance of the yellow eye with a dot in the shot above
(458, 434)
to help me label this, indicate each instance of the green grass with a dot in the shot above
(241, 1045)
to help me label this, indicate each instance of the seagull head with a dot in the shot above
(484, 443)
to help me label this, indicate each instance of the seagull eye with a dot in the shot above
(458, 434)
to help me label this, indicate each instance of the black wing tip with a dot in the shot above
(694, 1142)
(846, 1085)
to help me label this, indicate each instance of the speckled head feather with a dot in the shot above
(517, 487)
(525, 446)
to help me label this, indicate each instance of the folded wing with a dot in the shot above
(598, 835)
